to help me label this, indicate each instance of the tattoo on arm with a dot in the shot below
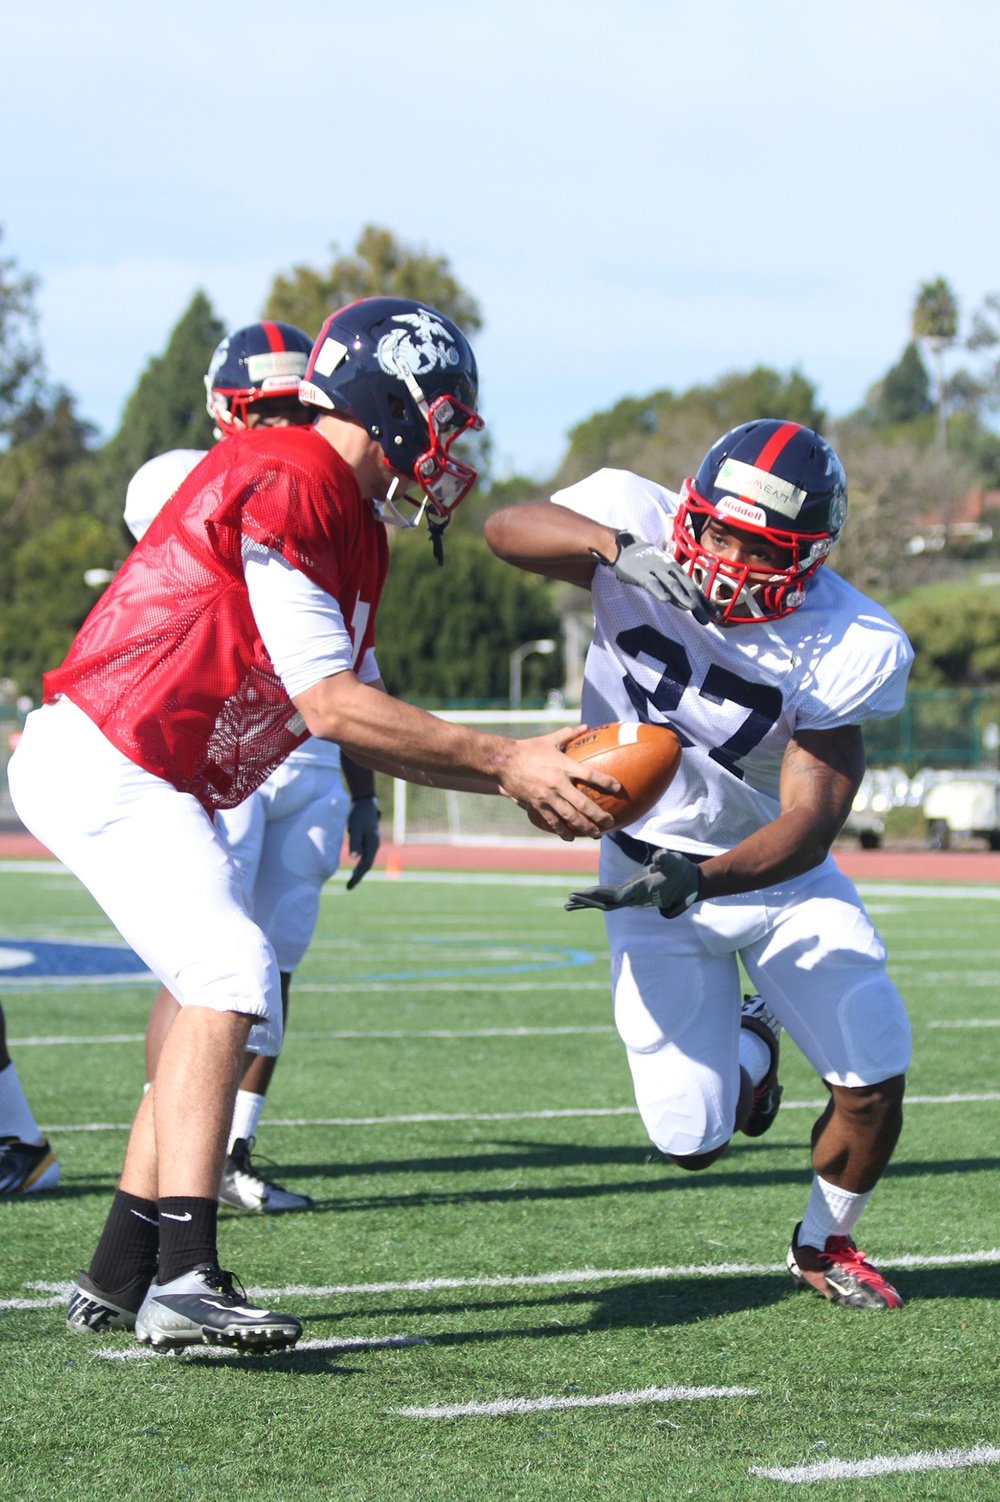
(822, 770)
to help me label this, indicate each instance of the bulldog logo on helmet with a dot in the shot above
(421, 347)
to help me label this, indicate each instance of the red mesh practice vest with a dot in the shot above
(169, 663)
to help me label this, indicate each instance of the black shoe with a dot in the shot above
(203, 1306)
(94, 1311)
(767, 1095)
(26, 1167)
(245, 1187)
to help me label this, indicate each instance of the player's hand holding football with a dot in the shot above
(655, 571)
(671, 883)
(538, 775)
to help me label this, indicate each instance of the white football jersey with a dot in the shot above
(148, 491)
(734, 695)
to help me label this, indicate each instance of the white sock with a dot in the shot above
(830, 1212)
(755, 1056)
(246, 1114)
(16, 1119)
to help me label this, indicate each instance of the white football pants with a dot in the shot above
(286, 840)
(811, 952)
(153, 860)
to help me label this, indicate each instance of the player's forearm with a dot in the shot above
(820, 774)
(543, 538)
(383, 732)
(360, 780)
(431, 779)
(793, 844)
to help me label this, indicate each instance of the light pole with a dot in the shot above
(543, 647)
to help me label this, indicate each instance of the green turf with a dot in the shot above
(473, 1199)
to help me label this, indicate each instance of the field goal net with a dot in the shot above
(426, 816)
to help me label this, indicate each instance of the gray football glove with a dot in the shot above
(670, 883)
(651, 569)
(363, 838)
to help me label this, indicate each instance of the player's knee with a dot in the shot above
(872, 1108)
(692, 1162)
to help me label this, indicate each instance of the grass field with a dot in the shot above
(491, 1225)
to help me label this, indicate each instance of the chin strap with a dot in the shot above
(436, 527)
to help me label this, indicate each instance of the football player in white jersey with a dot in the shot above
(286, 837)
(27, 1162)
(715, 616)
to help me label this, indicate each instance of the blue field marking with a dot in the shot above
(37, 960)
(542, 957)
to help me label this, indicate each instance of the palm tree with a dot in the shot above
(935, 320)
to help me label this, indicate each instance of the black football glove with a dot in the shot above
(363, 838)
(652, 569)
(671, 883)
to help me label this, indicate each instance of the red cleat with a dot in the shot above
(841, 1274)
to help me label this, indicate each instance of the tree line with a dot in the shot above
(448, 637)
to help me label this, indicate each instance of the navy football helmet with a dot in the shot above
(407, 374)
(258, 364)
(780, 482)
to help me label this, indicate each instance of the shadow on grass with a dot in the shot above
(649, 1305)
(658, 1175)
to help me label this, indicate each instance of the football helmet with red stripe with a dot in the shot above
(780, 484)
(259, 367)
(407, 374)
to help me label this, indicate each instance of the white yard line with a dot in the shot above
(563, 1277)
(502, 1406)
(571, 1276)
(951, 891)
(969, 1022)
(34, 1303)
(348, 1035)
(446, 1117)
(880, 1465)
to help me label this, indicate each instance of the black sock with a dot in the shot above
(130, 1241)
(187, 1234)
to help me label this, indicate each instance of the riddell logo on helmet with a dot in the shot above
(765, 489)
(742, 511)
(423, 346)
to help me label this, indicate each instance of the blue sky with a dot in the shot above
(640, 194)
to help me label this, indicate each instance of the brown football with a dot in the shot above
(644, 758)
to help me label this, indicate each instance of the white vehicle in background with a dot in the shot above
(880, 790)
(966, 804)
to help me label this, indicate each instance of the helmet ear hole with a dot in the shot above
(396, 405)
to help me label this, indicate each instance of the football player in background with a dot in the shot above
(241, 623)
(766, 688)
(27, 1162)
(286, 837)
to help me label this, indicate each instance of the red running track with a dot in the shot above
(581, 858)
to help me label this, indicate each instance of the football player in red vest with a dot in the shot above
(242, 623)
(286, 837)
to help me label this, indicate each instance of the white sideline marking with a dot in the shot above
(350, 1035)
(880, 1465)
(567, 1276)
(334, 1343)
(548, 1405)
(570, 1113)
